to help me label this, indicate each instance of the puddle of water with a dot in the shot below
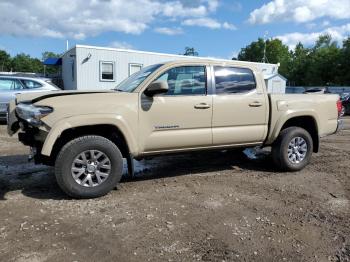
(16, 171)
(22, 169)
(143, 165)
(255, 153)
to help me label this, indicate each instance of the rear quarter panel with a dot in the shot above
(322, 107)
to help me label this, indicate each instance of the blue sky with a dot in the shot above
(215, 28)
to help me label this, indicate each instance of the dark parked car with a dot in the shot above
(345, 99)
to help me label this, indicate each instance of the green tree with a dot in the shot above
(344, 72)
(24, 63)
(190, 51)
(324, 60)
(50, 69)
(253, 52)
(48, 54)
(276, 52)
(300, 65)
(5, 61)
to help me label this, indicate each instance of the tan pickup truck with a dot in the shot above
(166, 108)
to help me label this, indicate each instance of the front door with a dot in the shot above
(240, 110)
(181, 118)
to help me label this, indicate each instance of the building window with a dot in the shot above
(134, 68)
(107, 71)
(231, 80)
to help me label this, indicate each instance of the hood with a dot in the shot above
(36, 97)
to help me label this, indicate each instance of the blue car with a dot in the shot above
(10, 86)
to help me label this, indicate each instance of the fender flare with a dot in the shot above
(286, 117)
(89, 120)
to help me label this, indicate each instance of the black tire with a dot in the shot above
(71, 150)
(280, 149)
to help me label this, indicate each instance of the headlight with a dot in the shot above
(32, 114)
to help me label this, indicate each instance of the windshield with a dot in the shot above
(131, 83)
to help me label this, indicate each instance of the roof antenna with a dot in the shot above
(264, 60)
(67, 45)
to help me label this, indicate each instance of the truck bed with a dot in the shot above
(321, 108)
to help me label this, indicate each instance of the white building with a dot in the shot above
(91, 67)
(275, 83)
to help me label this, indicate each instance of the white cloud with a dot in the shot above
(300, 11)
(204, 22)
(235, 6)
(311, 26)
(84, 18)
(209, 23)
(121, 45)
(229, 26)
(338, 33)
(169, 31)
(213, 5)
(325, 23)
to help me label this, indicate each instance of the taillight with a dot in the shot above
(339, 106)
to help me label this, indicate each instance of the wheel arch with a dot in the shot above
(113, 128)
(308, 123)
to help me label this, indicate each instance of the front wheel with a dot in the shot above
(293, 149)
(88, 167)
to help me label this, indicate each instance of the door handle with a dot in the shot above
(255, 104)
(202, 106)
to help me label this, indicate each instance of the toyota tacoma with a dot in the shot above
(173, 107)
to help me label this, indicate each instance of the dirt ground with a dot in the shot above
(199, 207)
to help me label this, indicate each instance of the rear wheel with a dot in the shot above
(88, 167)
(293, 149)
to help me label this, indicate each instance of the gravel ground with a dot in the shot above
(204, 206)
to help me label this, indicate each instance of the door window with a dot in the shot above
(31, 84)
(185, 80)
(10, 84)
(230, 80)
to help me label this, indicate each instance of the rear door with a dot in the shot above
(181, 118)
(240, 107)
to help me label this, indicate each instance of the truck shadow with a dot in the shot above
(200, 163)
(36, 181)
(39, 182)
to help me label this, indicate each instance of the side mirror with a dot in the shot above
(157, 87)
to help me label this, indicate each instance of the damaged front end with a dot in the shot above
(26, 117)
(12, 120)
